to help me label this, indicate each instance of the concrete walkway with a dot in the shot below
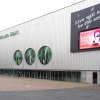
(20, 84)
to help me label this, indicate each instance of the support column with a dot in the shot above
(98, 77)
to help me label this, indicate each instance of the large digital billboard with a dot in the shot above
(89, 39)
(83, 25)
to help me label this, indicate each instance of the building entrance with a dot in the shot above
(94, 77)
(69, 76)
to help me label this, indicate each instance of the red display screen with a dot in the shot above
(89, 39)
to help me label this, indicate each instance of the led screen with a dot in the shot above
(89, 39)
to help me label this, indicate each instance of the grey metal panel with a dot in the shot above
(52, 30)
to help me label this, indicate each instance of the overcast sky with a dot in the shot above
(13, 12)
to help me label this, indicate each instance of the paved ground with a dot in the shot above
(44, 90)
(20, 84)
(56, 94)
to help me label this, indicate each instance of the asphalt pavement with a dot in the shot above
(88, 93)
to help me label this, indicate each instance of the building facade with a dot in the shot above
(52, 46)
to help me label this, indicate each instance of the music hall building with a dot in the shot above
(63, 45)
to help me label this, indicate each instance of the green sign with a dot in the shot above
(9, 35)
(30, 56)
(18, 57)
(45, 55)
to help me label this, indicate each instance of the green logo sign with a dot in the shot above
(18, 57)
(45, 55)
(30, 56)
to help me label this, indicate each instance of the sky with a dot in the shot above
(13, 12)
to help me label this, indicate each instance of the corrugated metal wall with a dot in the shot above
(51, 30)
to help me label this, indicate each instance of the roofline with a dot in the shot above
(43, 15)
